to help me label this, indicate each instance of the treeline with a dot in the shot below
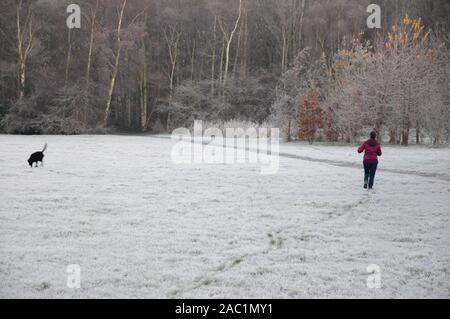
(154, 65)
(398, 86)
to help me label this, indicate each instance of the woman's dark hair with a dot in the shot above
(373, 135)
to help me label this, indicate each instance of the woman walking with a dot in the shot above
(372, 150)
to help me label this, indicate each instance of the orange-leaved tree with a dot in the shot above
(411, 32)
(310, 116)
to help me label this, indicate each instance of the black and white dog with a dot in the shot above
(37, 157)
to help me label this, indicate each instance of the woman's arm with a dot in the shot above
(362, 148)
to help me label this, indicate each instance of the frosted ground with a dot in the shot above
(140, 226)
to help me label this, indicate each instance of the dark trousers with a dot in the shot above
(369, 173)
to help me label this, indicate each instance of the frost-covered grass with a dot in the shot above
(140, 226)
(422, 158)
(246, 128)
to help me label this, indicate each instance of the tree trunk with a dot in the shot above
(417, 134)
(289, 137)
(229, 40)
(222, 59)
(193, 60)
(129, 119)
(405, 136)
(283, 50)
(300, 31)
(244, 56)
(88, 67)
(22, 49)
(144, 94)
(392, 136)
(22, 79)
(69, 56)
(115, 67)
(172, 44)
(213, 62)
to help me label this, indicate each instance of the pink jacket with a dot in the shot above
(372, 150)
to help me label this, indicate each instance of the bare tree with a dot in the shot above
(93, 18)
(172, 36)
(115, 66)
(25, 39)
(228, 36)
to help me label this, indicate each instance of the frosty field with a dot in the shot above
(142, 227)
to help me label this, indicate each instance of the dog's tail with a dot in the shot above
(45, 147)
